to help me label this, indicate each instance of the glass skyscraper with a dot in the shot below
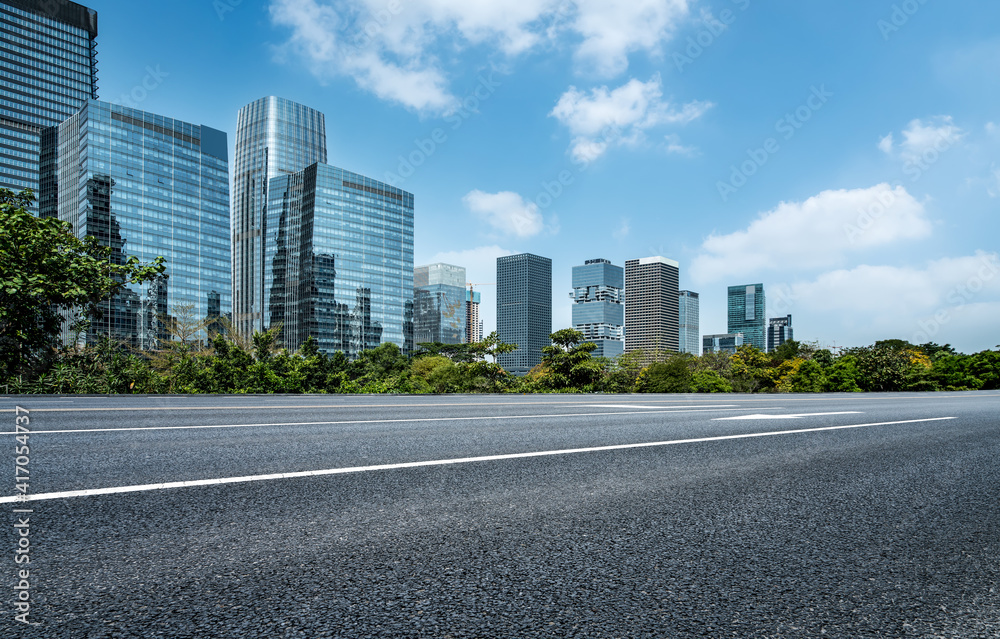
(689, 323)
(145, 185)
(48, 63)
(746, 313)
(524, 309)
(274, 137)
(439, 304)
(652, 320)
(779, 331)
(338, 262)
(598, 306)
(724, 343)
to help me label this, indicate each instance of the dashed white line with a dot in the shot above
(798, 416)
(436, 462)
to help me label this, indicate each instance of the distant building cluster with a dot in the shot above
(315, 249)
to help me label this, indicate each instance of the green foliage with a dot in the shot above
(568, 364)
(842, 376)
(671, 376)
(709, 381)
(45, 270)
(808, 378)
(882, 367)
(788, 350)
(751, 370)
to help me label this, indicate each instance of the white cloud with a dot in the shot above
(389, 47)
(612, 29)
(607, 117)
(506, 211)
(817, 233)
(921, 138)
(673, 145)
(953, 299)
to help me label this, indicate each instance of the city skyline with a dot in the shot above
(856, 218)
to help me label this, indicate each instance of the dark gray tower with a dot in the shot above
(524, 309)
(652, 314)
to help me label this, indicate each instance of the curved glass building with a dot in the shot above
(274, 137)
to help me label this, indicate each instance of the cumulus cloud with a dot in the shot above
(673, 145)
(506, 211)
(920, 138)
(816, 233)
(390, 48)
(953, 299)
(604, 117)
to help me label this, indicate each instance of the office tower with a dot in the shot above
(274, 137)
(747, 313)
(652, 317)
(779, 331)
(598, 305)
(724, 343)
(524, 309)
(145, 185)
(338, 262)
(439, 304)
(473, 325)
(689, 323)
(48, 62)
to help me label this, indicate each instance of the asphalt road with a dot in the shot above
(504, 516)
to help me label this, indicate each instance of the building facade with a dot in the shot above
(439, 304)
(473, 325)
(145, 185)
(746, 314)
(690, 328)
(724, 343)
(779, 331)
(48, 62)
(652, 316)
(599, 305)
(274, 137)
(338, 262)
(524, 309)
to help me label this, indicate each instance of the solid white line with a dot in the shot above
(758, 416)
(367, 421)
(660, 407)
(435, 462)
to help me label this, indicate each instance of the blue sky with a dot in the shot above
(844, 153)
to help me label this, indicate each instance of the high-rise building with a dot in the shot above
(747, 310)
(724, 343)
(338, 261)
(779, 331)
(274, 137)
(145, 185)
(598, 305)
(524, 309)
(473, 325)
(48, 62)
(439, 304)
(689, 323)
(652, 317)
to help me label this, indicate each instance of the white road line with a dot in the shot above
(798, 416)
(660, 407)
(436, 462)
(370, 421)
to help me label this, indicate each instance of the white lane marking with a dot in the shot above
(369, 421)
(435, 462)
(799, 416)
(661, 407)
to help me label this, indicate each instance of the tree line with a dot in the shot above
(46, 272)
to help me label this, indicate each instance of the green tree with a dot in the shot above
(751, 370)
(46, 270)
(709, 381)
(568, 363)
(842, 376)
(808, 378)
(671, 376)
